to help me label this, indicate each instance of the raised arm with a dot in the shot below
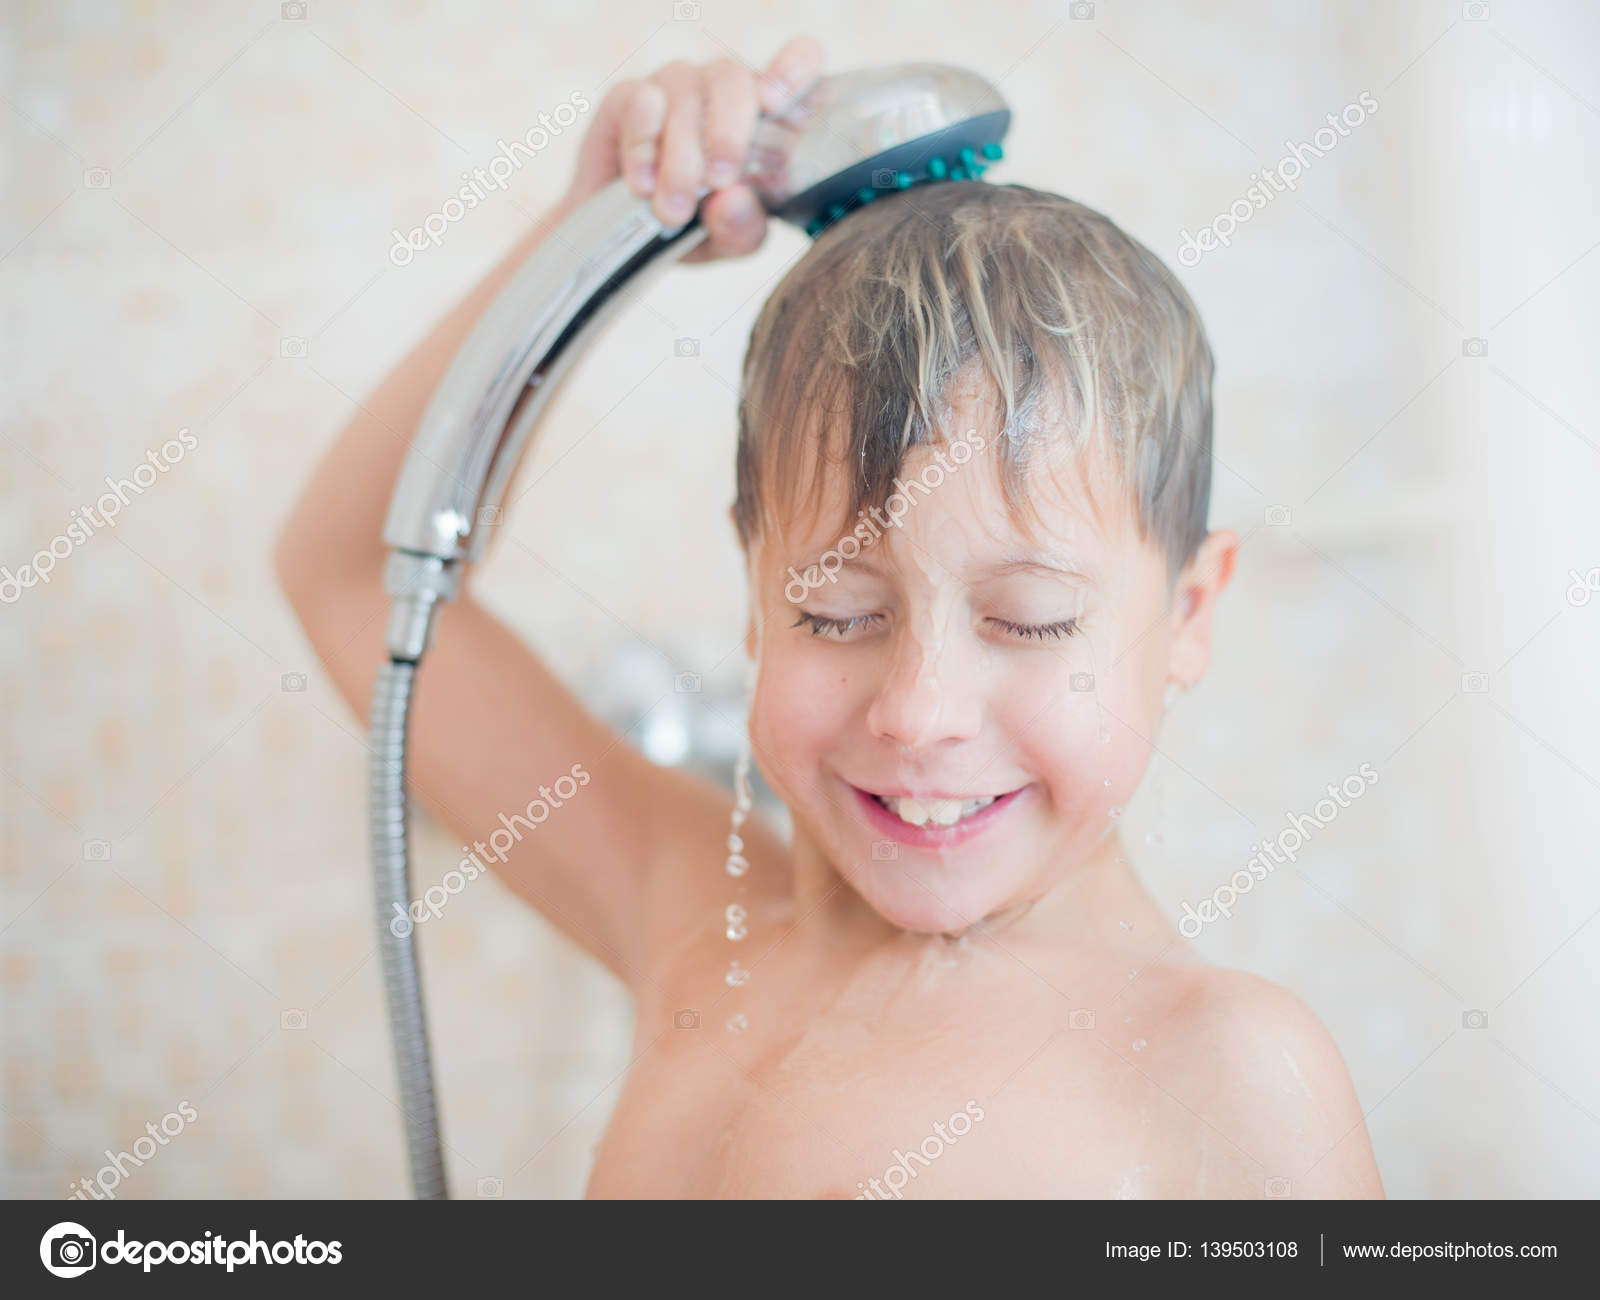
(490, 724)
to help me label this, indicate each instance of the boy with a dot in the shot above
(974, 469)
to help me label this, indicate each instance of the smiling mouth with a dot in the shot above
(930, 811)
(934, 821)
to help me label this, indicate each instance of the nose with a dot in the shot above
(928, 694)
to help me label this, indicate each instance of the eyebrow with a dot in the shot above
(1041, 563)
(1053, 566)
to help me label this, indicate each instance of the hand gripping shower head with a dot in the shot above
(843, 142)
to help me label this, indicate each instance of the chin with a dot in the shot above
(892, 890)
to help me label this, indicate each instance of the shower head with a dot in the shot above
(841, 143)
(857, 135)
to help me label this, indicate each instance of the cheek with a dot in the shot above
(801, 705)
(1090, 743)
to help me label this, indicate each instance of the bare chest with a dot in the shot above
(886, 1079)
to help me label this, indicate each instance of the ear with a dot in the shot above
(1194, 601)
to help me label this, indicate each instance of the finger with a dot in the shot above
(735, 222)
(792, 69)
(680, 165)
(730, 117)
(642, 116)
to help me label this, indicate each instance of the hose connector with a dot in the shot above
(419, 584)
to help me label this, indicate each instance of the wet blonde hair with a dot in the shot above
(1079, 330)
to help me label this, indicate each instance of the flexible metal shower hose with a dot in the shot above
(391, 705)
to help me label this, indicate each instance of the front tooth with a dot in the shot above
(946, 812)
(910, 810)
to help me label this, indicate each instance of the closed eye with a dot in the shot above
(834, 628)
(1038, 631)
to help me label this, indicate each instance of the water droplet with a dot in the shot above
(737, 932)
(737, 866)
(739, 815)
(1107, 783)
(1126, 925)
(1133, 974)
(1127, 1020)
(737, 1022)
(734, 913)
(1114, 813)
(736, 975)
(1154, 837)
(1105, 736)
(1139, 1044)
(735, 844)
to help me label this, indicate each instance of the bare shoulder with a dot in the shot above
(1261, 1071)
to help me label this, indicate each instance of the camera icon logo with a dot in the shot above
(292, 682)
(293, 346)
(488, 516)
(1082, 10)
(1278, 516)
(293, 10)
(687, 683)
(1474, 1019)
(96, 851)
(883, 178)
(293, 1018)
(1277, 1189)
(1080, 345)
(1475, 683)
(685, 11)
(1475, 11)
(885, 850)
(96, 178)
(686, 347)
(686, 1020)
(1081, 681)
(491, 1187)
(67, 1250)
(1475, 347)
(1082, 1018)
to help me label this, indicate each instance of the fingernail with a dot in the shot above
(645, 175)
(739, 208)
(776, 93)
(721, 173)
(679, 207)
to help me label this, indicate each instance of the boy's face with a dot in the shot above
(957, 657)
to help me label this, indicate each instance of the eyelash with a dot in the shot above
(1066, 627)
(834, 628)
